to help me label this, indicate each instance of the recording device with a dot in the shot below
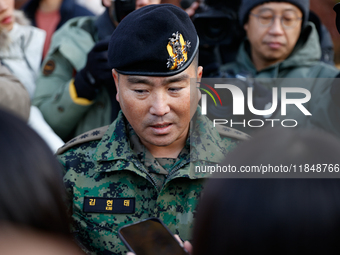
(121, 8)
(216, 21)
(150, 237)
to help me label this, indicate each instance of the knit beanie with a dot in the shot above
(248, 5)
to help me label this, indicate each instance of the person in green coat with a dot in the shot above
(282, 50)
(75, 90)
(144, 164)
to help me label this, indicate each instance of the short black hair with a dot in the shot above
(273, 216)
(31, 188)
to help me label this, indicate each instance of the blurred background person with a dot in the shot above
(21, 48)
(50, 15)
(33, 216)
(19, 3)
(75, 88)
(93, 5)
(13, 95)
(273, 216)
(281, 44)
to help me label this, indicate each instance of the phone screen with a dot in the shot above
(150, 237)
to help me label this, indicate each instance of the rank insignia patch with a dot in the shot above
(178, 51)
(49, 67)
(109, 205)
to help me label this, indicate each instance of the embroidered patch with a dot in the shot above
(49, 67)
(178, 51)
(109, 205)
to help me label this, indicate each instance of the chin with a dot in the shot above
(162, 142)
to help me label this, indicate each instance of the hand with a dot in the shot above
(96, 72)
(187, 245)
(192, 9)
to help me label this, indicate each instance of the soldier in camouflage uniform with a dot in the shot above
(141, 165)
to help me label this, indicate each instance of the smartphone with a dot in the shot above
(150, 237)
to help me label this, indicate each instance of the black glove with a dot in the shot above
(335, 90)
(96, 72)
(336, 8)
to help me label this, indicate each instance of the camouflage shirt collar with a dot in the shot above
(204, 140)
(115, 143)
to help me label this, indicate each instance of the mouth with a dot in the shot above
(274, 45)
(6, 20)
(161, 128)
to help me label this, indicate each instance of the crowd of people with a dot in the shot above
(101, 110)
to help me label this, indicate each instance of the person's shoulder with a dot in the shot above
(24, 29)
(79, 10)
(80, 23)
(229, 66)
(324, 70)
(73, 40)
(93, 135)
(232, 134)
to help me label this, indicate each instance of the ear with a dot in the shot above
(199, 77)
(115, 77)
(199, 73)
(246, 26)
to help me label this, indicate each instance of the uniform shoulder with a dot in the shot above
(92, 135)
(324, 70)
(232, 133)
(78, 27)
(79, 21)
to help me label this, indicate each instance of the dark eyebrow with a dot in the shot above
(171, 79)
(270, 9)
(137, 79)
(179, 78)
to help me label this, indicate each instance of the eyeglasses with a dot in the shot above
(289, 19)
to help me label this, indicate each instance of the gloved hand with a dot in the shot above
(96, 72)
(335, 90)
(336, 8)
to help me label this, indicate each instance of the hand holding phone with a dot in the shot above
(150, 237)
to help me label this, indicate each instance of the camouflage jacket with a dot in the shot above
(109, 187)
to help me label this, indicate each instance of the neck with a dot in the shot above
(50, 5)
(261, 64)
(168, 151)
(171, 151)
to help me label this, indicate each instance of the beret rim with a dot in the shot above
(163, 74)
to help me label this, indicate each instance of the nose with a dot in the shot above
(276, 28)
(3, 6)
(159, 105)
(141, 3)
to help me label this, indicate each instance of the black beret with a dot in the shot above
(156, 40)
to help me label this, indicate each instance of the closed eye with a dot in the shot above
(174, 89)
(140, 91)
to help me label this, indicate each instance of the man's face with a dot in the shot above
(272, 43)
(6, 14)
(158, 108)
